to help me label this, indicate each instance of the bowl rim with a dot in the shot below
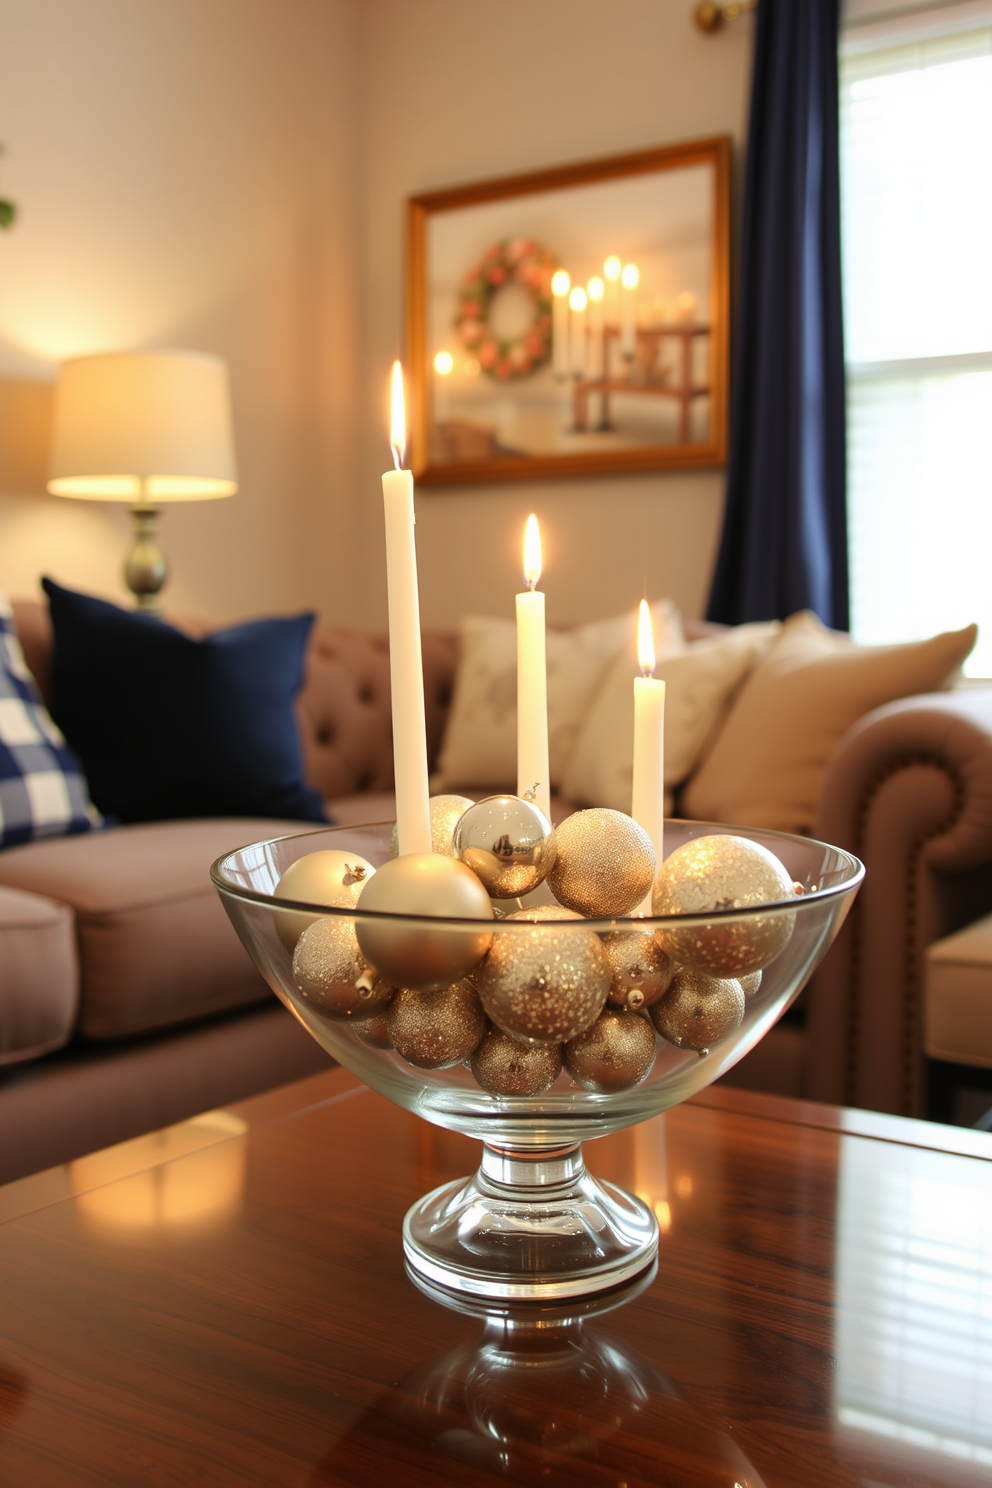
(600, 925)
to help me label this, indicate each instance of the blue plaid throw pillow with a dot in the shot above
(42, 787)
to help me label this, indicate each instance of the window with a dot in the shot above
(916, 181)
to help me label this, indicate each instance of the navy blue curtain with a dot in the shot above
(784, 542)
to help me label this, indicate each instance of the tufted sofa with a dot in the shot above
(126, 1001)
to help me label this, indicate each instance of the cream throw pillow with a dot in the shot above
(699, 686)
(767, 765)
(480, 741)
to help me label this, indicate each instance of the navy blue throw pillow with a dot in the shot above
(167, 726)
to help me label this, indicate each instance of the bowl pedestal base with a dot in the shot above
(531, 1224)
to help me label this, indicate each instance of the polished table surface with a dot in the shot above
(226, 1302)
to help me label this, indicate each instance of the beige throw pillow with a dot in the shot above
(767, 765)
(699, 686)
(480, 740)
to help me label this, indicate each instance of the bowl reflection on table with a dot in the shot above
(538, 1394)
(533, 1223)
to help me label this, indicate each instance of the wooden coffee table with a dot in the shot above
(226, 1303)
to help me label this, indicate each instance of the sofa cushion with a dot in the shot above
(480, 741)
(154, 944)
(42, 788)
(700, 685)
(39, 981)
(768, 763)
(170, 726)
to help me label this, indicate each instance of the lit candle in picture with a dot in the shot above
(578, 300)
(611, 307)
(648, 795)
(532, 678)
(628, 311)
(594, 353)
(560, 285)
(406, 667)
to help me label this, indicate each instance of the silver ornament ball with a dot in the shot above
(507, 842)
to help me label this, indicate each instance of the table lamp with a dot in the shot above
(145, 428)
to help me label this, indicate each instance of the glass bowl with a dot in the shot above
(532, 1223)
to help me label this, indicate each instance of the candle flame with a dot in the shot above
(630, 276)
(560, 283)
(578, 298)
(397, 416)
(532, 552)
(611, 267)
(595, 288)
(645, 641)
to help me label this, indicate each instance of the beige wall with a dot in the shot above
(458, 90)
(229, 175)
(186, 172)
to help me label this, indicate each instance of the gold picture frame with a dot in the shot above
(643, 383)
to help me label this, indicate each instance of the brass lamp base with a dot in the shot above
(145, 567)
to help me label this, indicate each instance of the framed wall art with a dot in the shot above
(572, 320)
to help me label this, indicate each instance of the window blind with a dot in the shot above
(916, 177)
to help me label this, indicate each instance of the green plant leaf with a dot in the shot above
(8, 212)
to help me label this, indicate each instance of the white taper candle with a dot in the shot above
(406, 666)
(532, 679)
(648, 793)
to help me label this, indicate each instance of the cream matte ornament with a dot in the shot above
(418, 956)
(444, 812)
(330, 971)
(698, 1012)
(604, 863)
(507, 842)
(329, 877)
(723, 873)
(544, 985)
(616, 1053)
(640, 968)
(504, 1066)
(434, 1030)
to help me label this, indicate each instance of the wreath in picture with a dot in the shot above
(514, 261)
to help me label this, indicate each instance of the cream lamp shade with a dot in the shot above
(143, 427)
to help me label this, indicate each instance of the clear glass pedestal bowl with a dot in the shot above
(533, 1223)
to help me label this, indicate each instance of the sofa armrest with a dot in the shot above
(909, 790)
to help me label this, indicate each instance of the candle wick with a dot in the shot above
(397, 457)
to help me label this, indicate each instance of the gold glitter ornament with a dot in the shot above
(538, 914)
(326, 877)
(330, 971)
(434, 1030)
(614, 1054)
(373, 1031)
(504, 1066)
(507, 842)
(723, 872)
(750, 984)
(604, 863)
(640, 968)
(444, 812)
(415, 955)
(544, 985)
(698, 1011)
